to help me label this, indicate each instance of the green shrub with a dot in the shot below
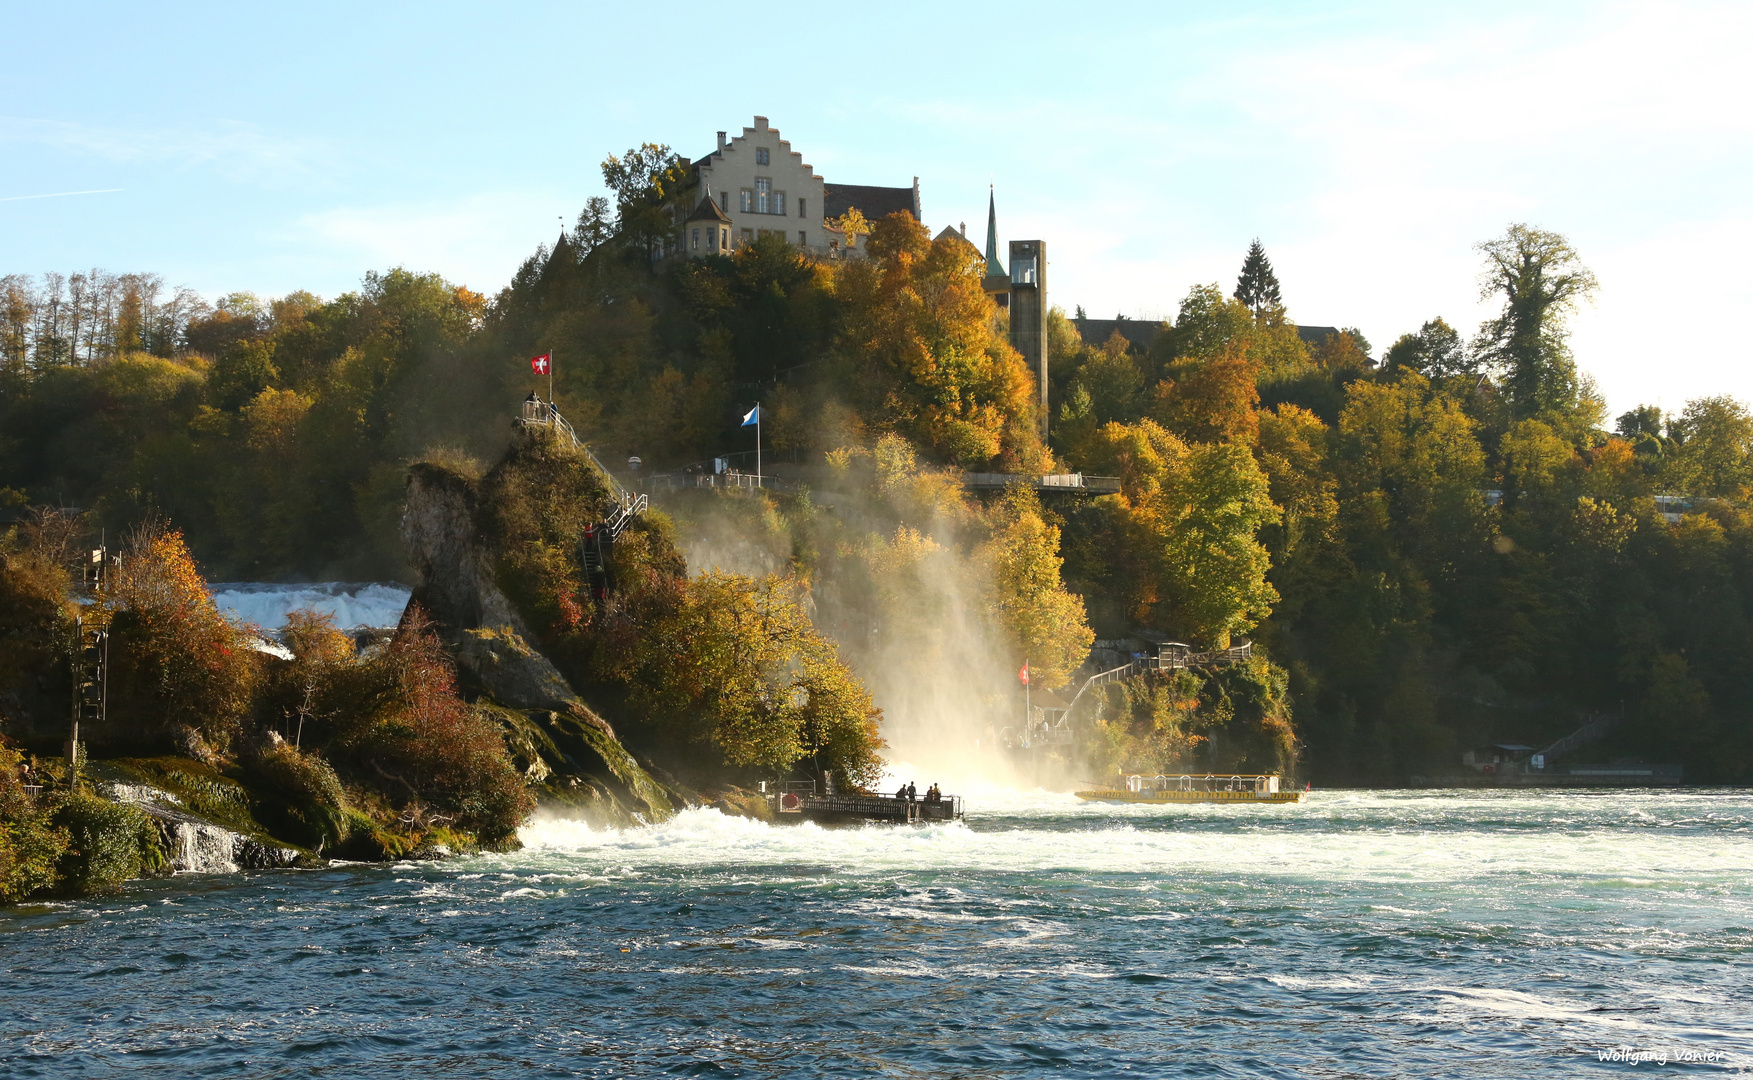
(308, 805)
(29, 844)
(29, 850)
(108, 843)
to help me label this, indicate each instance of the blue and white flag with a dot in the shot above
(753, 418)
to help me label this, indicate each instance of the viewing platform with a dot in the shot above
(798, 801)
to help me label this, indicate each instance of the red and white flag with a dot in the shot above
(539, 364)
(1024, 673)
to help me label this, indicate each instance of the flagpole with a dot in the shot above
(759, 482)
(550, 378)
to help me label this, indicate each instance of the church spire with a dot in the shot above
(993, 266)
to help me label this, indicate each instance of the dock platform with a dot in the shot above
(799, 801)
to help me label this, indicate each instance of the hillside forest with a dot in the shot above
(1434, 546)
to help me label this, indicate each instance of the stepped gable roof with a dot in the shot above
(875, 203)
(707, 211)
(1139, 333)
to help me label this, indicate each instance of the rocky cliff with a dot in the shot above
(565, 749)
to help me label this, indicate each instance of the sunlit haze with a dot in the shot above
(1369, 146)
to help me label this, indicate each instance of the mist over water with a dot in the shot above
(1393, 934)
(917, 632)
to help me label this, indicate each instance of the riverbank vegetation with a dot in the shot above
(363, 753)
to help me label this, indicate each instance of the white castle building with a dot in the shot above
(755, 185)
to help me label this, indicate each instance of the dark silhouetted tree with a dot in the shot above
(1436, 352)
(1257, 286)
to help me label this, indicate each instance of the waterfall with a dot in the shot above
(197, 845)
(204, 848)
(352, 604)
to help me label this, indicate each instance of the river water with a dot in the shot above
(1393, 934)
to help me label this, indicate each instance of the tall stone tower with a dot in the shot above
(1028, 311)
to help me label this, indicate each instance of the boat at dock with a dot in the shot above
(797, 801)
(1187, 788)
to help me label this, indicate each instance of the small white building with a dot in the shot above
(761, 186)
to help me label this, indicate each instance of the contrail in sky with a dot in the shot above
(58, 194)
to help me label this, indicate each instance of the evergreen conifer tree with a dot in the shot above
(1257, 286)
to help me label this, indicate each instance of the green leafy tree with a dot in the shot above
(1714, 455)
(243, 370)
(648, 183)
(1187, 523)
(1540, 280)
(1643, 420)
(1437, 352)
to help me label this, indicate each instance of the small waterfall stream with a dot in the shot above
(198, 846)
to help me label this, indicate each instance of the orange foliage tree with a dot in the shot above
(176, 662)
(922, 350)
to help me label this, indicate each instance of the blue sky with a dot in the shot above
(1368, 145)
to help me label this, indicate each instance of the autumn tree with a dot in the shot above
(921, 354)
(176, 661)
(1046, 624)
(852, 225)
(1213, 401)
(1189, 518)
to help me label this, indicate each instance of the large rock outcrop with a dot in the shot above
(561, 743)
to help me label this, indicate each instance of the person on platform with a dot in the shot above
(912, 792)
(901, 792)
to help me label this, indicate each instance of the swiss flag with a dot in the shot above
(1024, 673)
(539, 364)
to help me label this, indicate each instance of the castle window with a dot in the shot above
(748, 200)
(696, 240)
(779, 203)
(800, 212)
(748, 236)
(763, 195)
(760, 155)
(803, 238)
(724, 239)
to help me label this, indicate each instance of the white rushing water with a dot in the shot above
(353, 604)
(1449, 838)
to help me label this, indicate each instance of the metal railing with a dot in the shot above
(631, 507)
(1593, 728)
(1094, 485)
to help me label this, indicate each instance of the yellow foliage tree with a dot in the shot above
(1047, 625)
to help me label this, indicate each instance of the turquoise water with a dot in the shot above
(1392, 934)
